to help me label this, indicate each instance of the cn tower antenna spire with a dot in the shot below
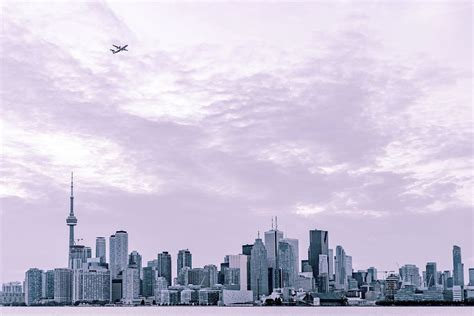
(71, 220)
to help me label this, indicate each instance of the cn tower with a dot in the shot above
(71, 220)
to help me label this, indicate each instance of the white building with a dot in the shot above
(230, 297)
(240, 262)
(457, 293)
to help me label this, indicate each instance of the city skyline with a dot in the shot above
(119, 255)
(351, 119)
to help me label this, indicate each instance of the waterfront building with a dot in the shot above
(63, 279)
(12, 293)
(33, 286)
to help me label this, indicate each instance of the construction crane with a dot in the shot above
(385, 273)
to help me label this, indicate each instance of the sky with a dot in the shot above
(351, 117)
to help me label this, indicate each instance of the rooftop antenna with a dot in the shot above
(258, 234)
(276, 223)
(272, 223)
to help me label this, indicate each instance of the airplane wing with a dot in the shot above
(116, 46)
(124, 49)
(125, 46)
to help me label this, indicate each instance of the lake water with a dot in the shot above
(234, 311)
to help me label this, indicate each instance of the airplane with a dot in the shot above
(119, 49)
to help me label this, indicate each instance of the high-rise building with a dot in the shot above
(323, 277)
(48, 285)
(71, 221)
(410, 274)
(63, 285)
(78, 255)
(33, 286)
(197, 276)
(296, 256)
(130, 285)
(118, 252)
(97, 285)
(100, 247)
(259, 269)
(247, 250)
(135, 261)
(305, 266)
(458, 267)
(340, 271)
(185, 259)
(348, 267)
(91, 285)
(272, 242)
(431, 274)
(239, 262)
(288, 263)
(331, 264)
(318, 245)
(323, 264)
(371, 275)
(212, 273)
(164, 266)
(471, 276)
(149, 278)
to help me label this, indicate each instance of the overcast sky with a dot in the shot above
(352, 117)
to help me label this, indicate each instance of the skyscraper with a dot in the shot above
(71, 221)
(431, 273)
(272, 241)
(471, 276)
(340, 271)
(318, 245)
(259, 269)
(348, 266)
(212, 271)
(331, 264)
(63, 286)
(48, 284)
(118, 252)
(33, 286)
(130, 284)
(185, 259)
(135, 261)
(164, 266)
(247, 250)
(149, 278)
(410, 274)
(371, 275)
(288, 262)
(100, 249)
(458, 267)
